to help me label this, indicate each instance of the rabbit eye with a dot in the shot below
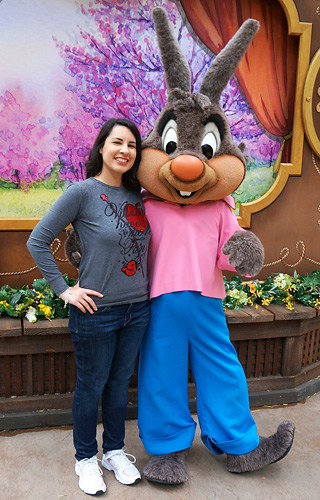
(171, 147)
(169, 137)
(211, 140)
(209, 145)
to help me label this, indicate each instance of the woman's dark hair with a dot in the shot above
(94, 163)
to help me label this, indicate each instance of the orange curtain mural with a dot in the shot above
(267, 73)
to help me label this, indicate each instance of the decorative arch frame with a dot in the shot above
(304, 31)
(311, 102)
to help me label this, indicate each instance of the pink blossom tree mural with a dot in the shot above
(111, 67)
(26, 147)
(117, 71)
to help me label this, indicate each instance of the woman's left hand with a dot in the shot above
(80, 297)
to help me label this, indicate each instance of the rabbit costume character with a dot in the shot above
(189, 168)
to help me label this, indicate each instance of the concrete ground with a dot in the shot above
(39, 465)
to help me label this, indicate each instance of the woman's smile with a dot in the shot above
(118, 155)
(122, 160)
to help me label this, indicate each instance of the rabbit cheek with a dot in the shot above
(230, 173)
(148, 172)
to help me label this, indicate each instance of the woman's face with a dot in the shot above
(118, 155)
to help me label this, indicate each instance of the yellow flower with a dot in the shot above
(289, 306)
(4, 302)
(317, 302)
(46, 309)
(259, 292)
(288, 299)
(266, 302)
(40, 295)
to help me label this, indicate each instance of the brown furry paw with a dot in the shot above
(245, 252)
(270, 450)
(73, 247)
(168, 469)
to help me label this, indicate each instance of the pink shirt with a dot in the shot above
(185, 251)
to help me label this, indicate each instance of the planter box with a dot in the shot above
(278, 349)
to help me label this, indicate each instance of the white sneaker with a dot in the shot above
(123, 468)
(90, 476)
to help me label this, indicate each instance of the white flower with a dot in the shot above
(280, 281)
(31, 315)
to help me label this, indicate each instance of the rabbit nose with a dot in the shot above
(187, 167)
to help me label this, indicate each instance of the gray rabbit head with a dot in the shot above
(189, 156)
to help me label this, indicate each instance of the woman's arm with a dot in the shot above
(65, 210)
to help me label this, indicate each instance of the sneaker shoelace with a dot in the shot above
(92, 467)
(122, 457)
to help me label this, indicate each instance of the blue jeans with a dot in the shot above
(106, 346)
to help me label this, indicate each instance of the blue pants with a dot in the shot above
(106, 345)
(186, 327)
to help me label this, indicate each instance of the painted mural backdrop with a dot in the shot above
(67, 67)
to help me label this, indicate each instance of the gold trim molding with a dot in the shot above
(304, 31)
(308, 104)
(18, 223)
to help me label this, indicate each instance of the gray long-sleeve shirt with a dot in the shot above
(114, 234)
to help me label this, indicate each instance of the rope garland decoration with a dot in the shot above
(301, 250)
(300, 246)
(284, 253)
(55, 250)
(315, 163)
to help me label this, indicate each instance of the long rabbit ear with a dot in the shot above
(223, 66)
(174, 62)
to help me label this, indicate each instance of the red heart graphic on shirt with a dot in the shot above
(136, 217)
(131, 268)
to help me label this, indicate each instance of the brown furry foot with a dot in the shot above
(270, 450)
(168, 469)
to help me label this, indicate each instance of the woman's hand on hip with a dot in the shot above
(80, 297)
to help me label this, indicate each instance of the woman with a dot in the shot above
(109, 308)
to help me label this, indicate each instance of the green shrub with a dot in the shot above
(38, 302)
